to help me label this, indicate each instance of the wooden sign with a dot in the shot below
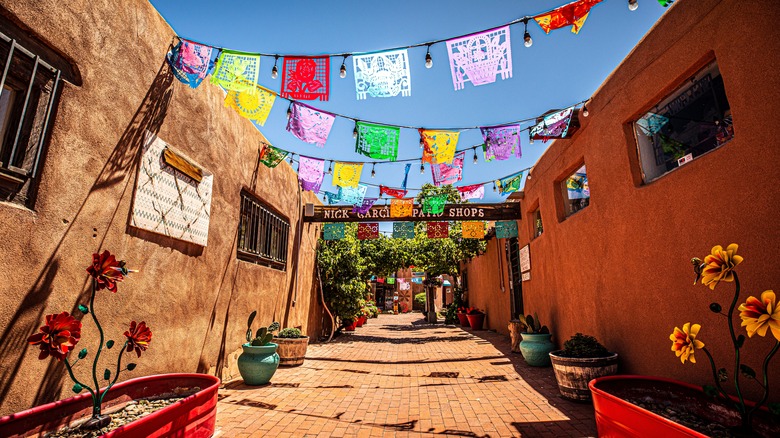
(452, 212)
(525, 259)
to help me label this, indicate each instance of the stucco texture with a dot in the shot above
(195, 299)
(488, 288)
(620, 268)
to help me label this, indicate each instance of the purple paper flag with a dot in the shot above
(479, 57)
(502, 141)
(444, 173)
(310, 173)
(363, 209)
(476, 191)
(310, 124)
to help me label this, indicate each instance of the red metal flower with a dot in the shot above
(107, 271)
(60, 334)
(138, 337)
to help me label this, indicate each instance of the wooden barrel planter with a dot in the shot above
(292, 351)
(574, 373)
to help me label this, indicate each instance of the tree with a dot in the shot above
(342, 271)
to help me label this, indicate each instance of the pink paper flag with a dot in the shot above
(502, 141)
(444, 173)
(310, 173)
(479, 57)
(310, 124)
(476, 191)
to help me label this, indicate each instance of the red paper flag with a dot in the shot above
(306, 78)
(572, 14)
(395, 193)
(438, 230)
(368, 231)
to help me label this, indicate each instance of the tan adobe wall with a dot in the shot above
(196, 300)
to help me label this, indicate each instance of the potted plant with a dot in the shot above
(464, 320)
(349, 324)
(536, 344)
(582, 359)
(476, 318)
(259, 361)
(192, 409)
(626, 403)
(292, 346)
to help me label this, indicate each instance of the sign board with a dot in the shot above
(452, 212)
(525, 259)
(526, 276)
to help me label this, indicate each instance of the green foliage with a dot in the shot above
(263, 336)
(532, 324)
(290, 332)
(583, 346)
(451, 314)
(419, 300)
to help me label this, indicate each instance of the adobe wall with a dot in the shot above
(196, 300)
(488, 286)
(620, 269)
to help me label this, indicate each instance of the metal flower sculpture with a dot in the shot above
(758, 316)
(62, 332)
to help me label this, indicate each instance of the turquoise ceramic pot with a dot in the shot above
(535, 348)
(257, 364)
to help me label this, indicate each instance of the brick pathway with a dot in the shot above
(398, 377)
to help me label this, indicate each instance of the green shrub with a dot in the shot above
(419, 300)
(583, 346)
(290, 332)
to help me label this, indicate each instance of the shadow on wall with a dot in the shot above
(119, 165)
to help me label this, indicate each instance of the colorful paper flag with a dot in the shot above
(501, 142)
(253, 104)
(488, 158)
(236, 71)
(438, 146)
(368, 231)
(311, 171)
(573, 14)
(306, 78)
(353, 195)
(331, 198)
(403, 230)
(434, 204)
(553, 125)
(444, 174)
(310, 124)
(438, 230)
(506, 229)
(577, 185)
(383, 74)
(271, 156)
(401, 207)
(406, 175)
(395, 193)
(509, 184)
(363, 208)
(476, 191)
(346, 174)
(652, 123)
(377, 141)
(473, 230)
(478, 58)
(665, 3)
(190, 62)
(334, 231)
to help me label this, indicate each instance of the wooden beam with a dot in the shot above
(452, 212)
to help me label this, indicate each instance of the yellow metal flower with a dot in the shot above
(760, 315)
(719, 265)
(684, 342)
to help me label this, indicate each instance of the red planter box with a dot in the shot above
(351, 327)
(360, 321)
(476, 321)
(464, 321)
(194, 416)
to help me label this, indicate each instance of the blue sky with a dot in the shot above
(560, 69)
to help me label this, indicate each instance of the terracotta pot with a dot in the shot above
(616, 417)
(350, 327)
(574, 373)
(476, 321)
(292, 351)
(193, 416)
(464, 320)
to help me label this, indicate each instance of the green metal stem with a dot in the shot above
(766, 380)
(72, 377)
(96, 409)
(741, 407)
(715, 376)
(116, 375)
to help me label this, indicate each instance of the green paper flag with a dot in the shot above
(271, 156)
(403, 230)
(509, 184)
(377, 141)
(333, 231)
(506, 229)
(434, 204)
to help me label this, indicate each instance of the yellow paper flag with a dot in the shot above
(439, 146)
(347, 174)
(252, 104)
(401, 207)
(473, 230)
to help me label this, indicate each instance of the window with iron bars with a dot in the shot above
(262, 234)
(28, 94)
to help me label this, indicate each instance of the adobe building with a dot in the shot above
(676, 155)
(69, 181)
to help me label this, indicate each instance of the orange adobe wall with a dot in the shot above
(488, 286)
(195, 299)
(620, 268)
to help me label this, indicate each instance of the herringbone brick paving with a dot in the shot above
(398, 377)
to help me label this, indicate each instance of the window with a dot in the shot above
(536, 218)
(515, 277)
(28, 92)
(262, 234)
(576, 193)
(693, 120)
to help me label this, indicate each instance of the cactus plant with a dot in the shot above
(532, 324)
(263, 336)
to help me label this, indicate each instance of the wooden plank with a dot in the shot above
(182, 164)
(452, 212)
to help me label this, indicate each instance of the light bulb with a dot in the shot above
(422, 142)
(373, 172)
(355, 132)
(422, 168)
(274, 73)
(585, 112)
(530, 139)
(343, 71)
(330, 167)
(494, 187)
(289, 112)
(528, 42)
(428, 60)
(633, 5)
(475, 157)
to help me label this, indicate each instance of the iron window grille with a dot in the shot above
(28, 93)
(262, 234)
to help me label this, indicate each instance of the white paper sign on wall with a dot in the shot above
(525, 259)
